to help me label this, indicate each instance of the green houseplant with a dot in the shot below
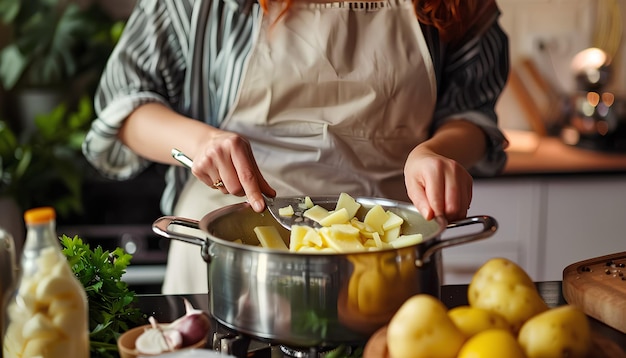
(56, 50)
(54, 43)
(45, 166)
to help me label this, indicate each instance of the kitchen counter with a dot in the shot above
(532, 154)
(166, 308)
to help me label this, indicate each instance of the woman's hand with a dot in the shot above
(436, 171)
(218, 156)
(437, 185)
(227, 157)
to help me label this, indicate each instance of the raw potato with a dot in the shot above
(421, 328)
(559, 332)
(498, 270)
(375, 218)
(473, 320)
(503, 287)
(347, 202)
(316, 213)
(342, 238)
(492, 343)
(506, 317)
(516, 303)
(340, 216)
(270, 238)
(303, 237)
(342, 231)
(286, 211)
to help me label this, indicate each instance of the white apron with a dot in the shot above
(333, 98)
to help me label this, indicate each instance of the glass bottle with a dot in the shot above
(47, 316)
(8, 271)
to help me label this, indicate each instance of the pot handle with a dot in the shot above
(490, 225)
(162, 224)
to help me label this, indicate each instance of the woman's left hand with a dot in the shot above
(437, 185)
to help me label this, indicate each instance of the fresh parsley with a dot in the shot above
(111, 303)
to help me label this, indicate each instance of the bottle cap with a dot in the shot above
(39, 215)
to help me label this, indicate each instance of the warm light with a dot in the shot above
(608, 98)
(593, 98)
(589, 59)
(602, 127)
(588, 125)
(570, 136)
(587, 109)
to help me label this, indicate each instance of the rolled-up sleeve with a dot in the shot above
(147, 65)
(473, 77)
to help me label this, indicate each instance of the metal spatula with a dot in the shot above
(273, 204)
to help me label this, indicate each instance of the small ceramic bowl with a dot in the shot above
(126, 343)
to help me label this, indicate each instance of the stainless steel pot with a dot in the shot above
(314, 300)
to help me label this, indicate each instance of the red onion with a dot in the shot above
(193, 326)
(183, 332)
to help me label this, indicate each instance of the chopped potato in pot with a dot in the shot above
(342, 231)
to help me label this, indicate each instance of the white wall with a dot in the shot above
(563, 27)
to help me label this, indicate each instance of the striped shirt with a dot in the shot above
(189, 55)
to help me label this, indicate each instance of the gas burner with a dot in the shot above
(314, 352)
(242, 346)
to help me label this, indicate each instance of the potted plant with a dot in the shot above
(46, 166)
(52, 41)
(54, 47)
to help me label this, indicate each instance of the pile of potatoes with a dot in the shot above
(506, 317)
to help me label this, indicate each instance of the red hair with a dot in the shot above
(450, 17)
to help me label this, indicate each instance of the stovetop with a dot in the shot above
(166, 308)
(242, 346)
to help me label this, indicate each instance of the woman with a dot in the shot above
(377, 98)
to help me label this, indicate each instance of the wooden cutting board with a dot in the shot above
(598, 286)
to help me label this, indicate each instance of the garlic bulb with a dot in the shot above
(183, 332)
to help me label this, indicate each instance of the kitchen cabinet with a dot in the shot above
(546, 222)
(513, 202)
(585, 218)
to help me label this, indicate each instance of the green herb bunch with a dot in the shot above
(111, 303)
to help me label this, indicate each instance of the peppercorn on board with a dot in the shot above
(598, 286)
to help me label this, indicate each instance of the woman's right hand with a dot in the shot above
(228, 157)
(152, 130)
